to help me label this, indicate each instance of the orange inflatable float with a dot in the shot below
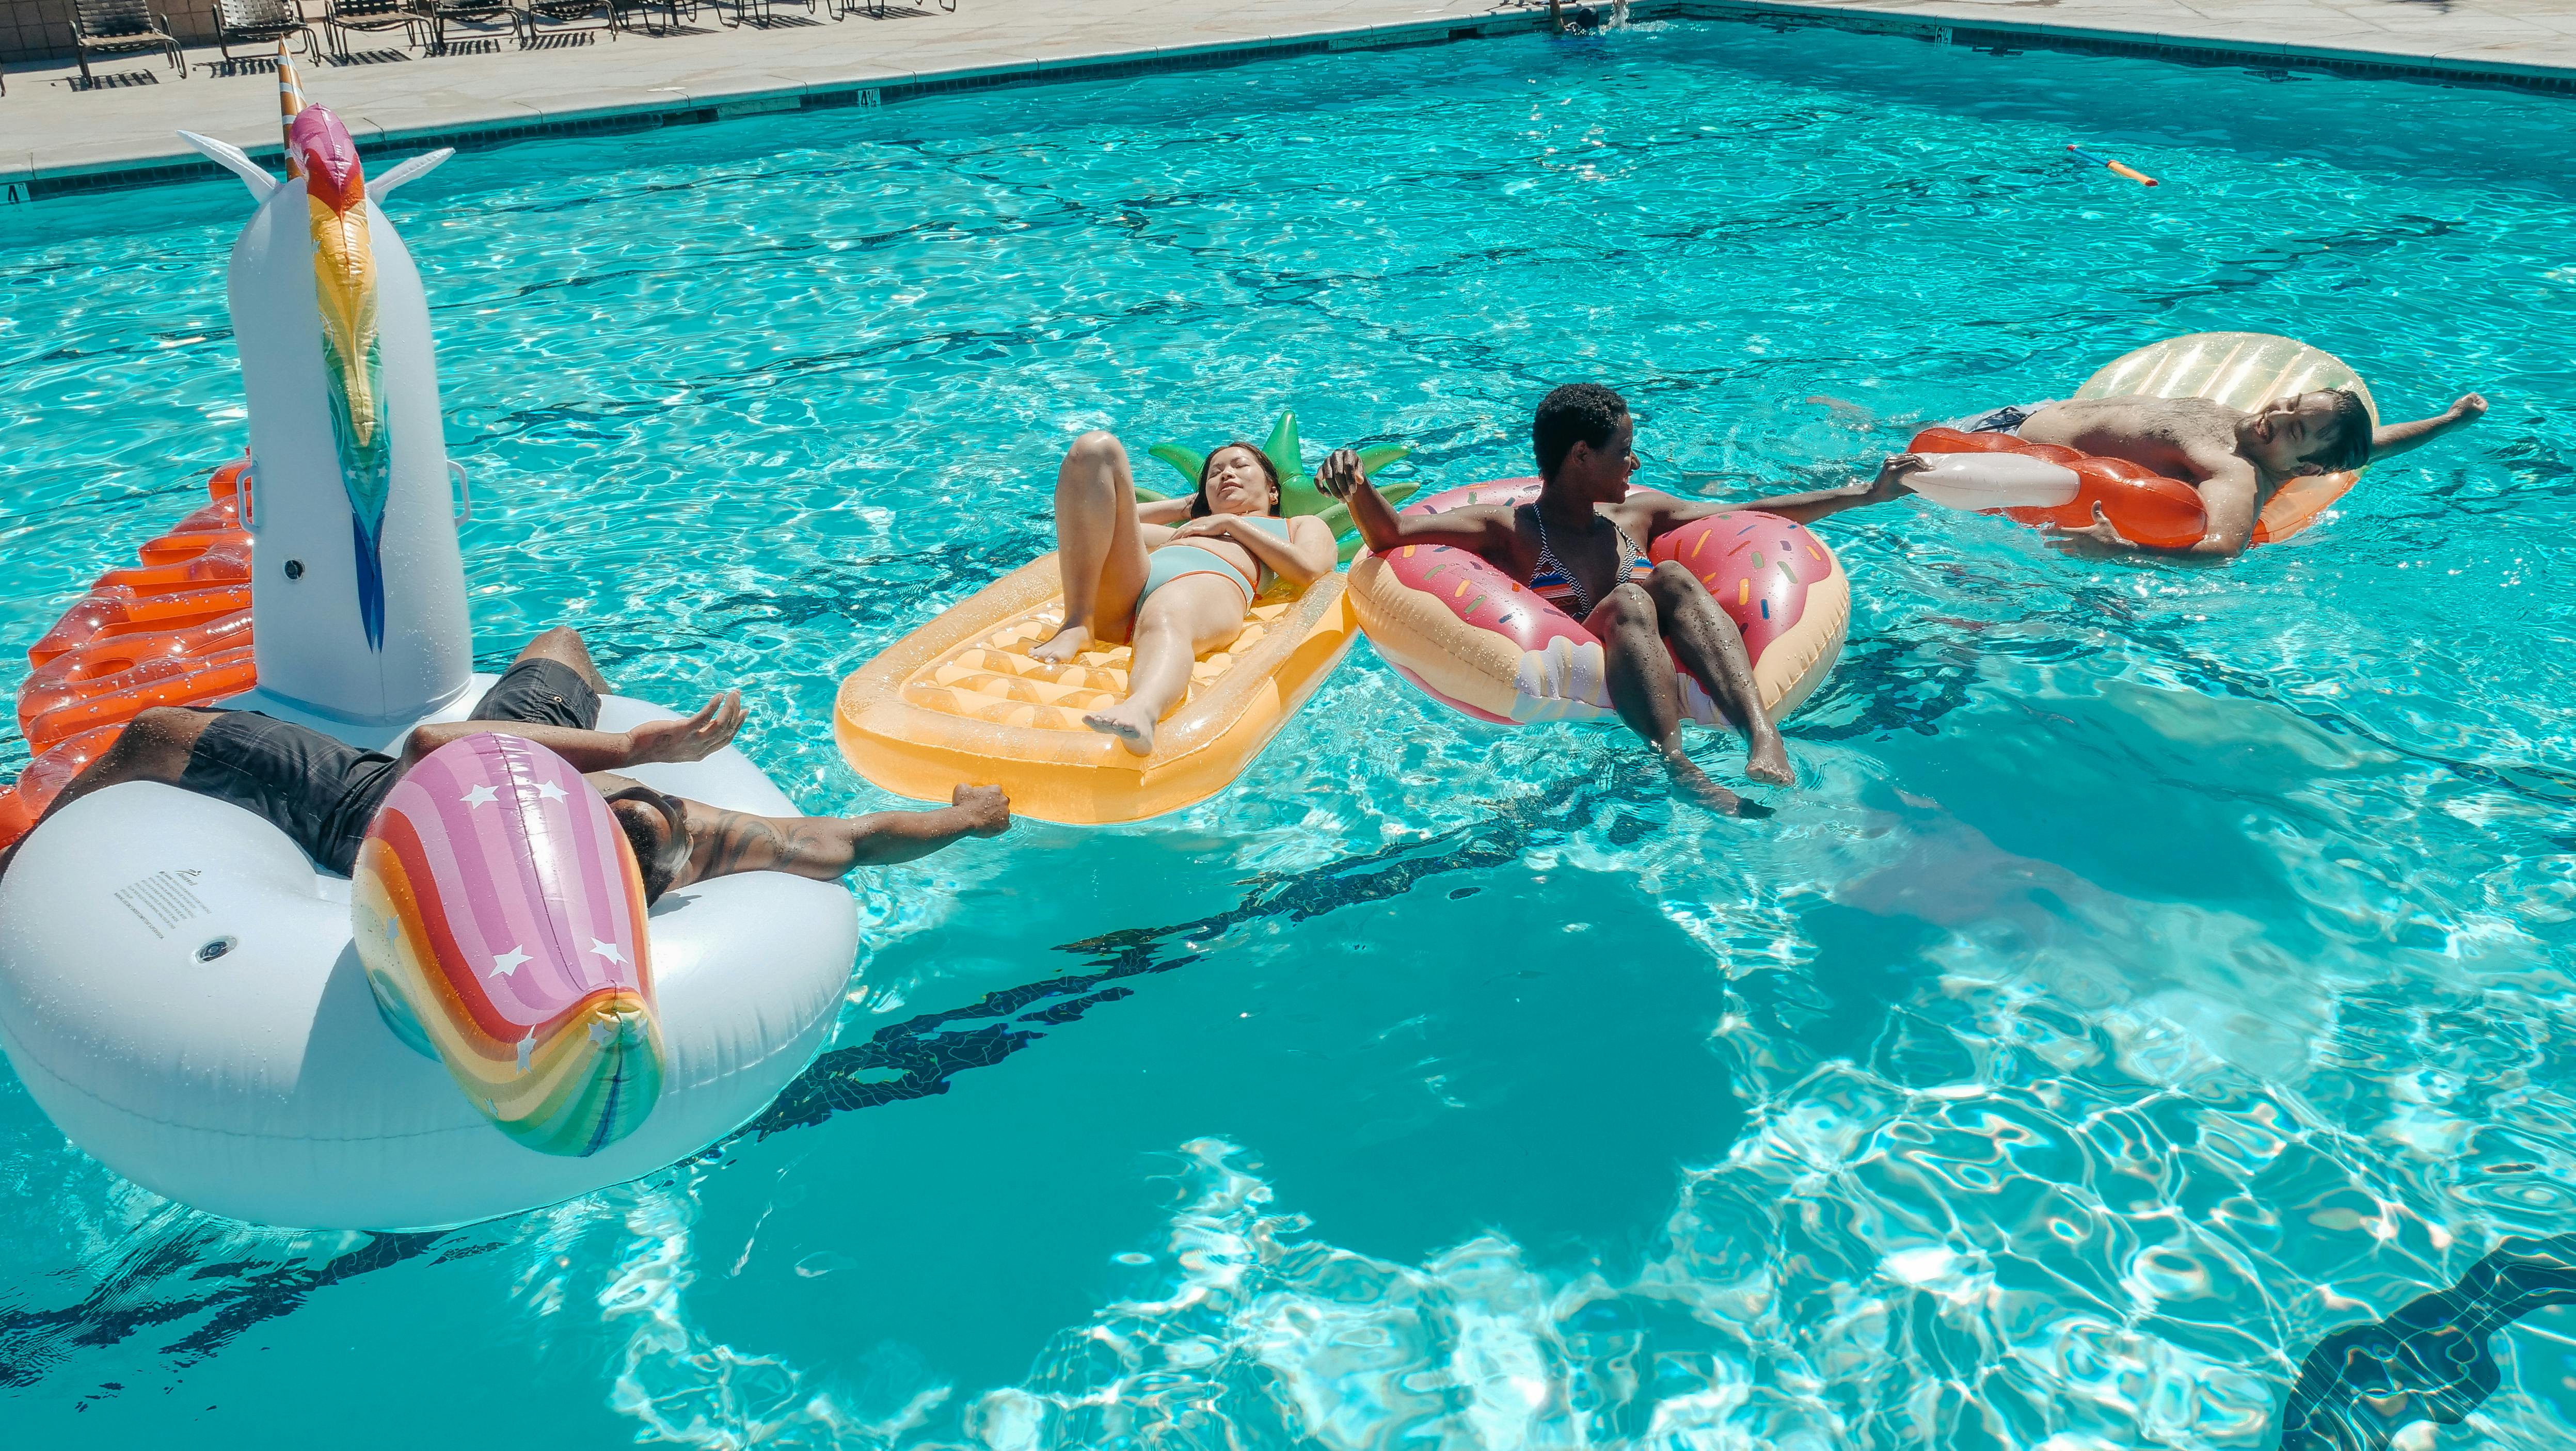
(961, 699)
(173, 628)
(2145, 506)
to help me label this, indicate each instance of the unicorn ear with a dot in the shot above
(230, 158)
(413, 170)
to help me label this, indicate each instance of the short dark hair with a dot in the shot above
(1575, 413)
(648, 849)
(2347, 444)
(1198, 501)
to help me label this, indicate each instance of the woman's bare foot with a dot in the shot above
(1060, 647)
(1768, 760)
(1130, 723)
(1693, 783)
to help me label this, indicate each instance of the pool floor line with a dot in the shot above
(1934, 24)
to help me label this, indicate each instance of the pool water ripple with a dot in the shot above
(2156, 971)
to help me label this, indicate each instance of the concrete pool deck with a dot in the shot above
(56, 139)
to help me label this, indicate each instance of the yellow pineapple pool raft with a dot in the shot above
(961, 701)
(2243, 371)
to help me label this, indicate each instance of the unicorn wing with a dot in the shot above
(412, 170)
(230, 158)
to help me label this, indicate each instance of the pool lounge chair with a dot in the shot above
(478, 15)
(122, 27)
(872, 9)
(670, 10)
(261, 23)
(562, 16)
(370, 15)
(755, 12)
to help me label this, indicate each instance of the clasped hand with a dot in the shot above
(1891, 475)
(1341, 474)
(1206, 526)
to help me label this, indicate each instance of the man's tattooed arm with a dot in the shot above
(825, 847)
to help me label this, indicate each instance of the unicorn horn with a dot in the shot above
(290, 100)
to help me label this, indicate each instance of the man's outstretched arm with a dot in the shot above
(1671, 513)
(2396, 438)
(694, 739)
(827, 847)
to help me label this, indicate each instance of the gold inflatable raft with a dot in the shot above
(960, 701)
(2243, 371)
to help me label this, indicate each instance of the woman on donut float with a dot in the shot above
(1584, 547)
(1172, 591)
(2235, 459)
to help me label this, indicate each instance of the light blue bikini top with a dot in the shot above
(1275, 525)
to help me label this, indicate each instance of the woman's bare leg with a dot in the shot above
(1099, 553)
(1646, 692)
(1185, 618)
(1709, 645)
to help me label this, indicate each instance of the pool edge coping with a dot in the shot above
(868, 87)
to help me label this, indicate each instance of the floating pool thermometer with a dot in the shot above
(2139, 177)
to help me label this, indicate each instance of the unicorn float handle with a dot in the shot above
(357, 587)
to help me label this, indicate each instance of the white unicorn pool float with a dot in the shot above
(182, 989)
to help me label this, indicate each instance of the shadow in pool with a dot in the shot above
(922, 1054)
(2431, 1361)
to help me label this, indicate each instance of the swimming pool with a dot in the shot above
(2156, 968)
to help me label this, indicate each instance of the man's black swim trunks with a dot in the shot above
(2001, 420)
(323, 793)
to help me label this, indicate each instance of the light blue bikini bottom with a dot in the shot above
(1175, 560)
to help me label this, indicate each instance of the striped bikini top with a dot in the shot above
(1555, 583)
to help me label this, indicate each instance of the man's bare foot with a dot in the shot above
(1691, 782)
(1128, 722)
(1768, 760)
(1060, 647)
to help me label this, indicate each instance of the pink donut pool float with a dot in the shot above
(1486, 644)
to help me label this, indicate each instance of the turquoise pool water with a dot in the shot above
(2156, 969)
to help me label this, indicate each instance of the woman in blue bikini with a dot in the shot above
(1173, 592)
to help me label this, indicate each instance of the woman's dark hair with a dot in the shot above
(2348, 445)
(659, 857)
(1575, 413)
(1198, 501)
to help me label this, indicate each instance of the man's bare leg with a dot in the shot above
(1099, 553)
(1646, 692)
(153, 747)
(1712, 649)
(1187, 616)
(564, 646)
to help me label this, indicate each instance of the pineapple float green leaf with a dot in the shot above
(1297, 492)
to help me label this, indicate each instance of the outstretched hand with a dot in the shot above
(2470, 408)
(2099, 531)
(987, 809)
(1341, 473)
(694, 739)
